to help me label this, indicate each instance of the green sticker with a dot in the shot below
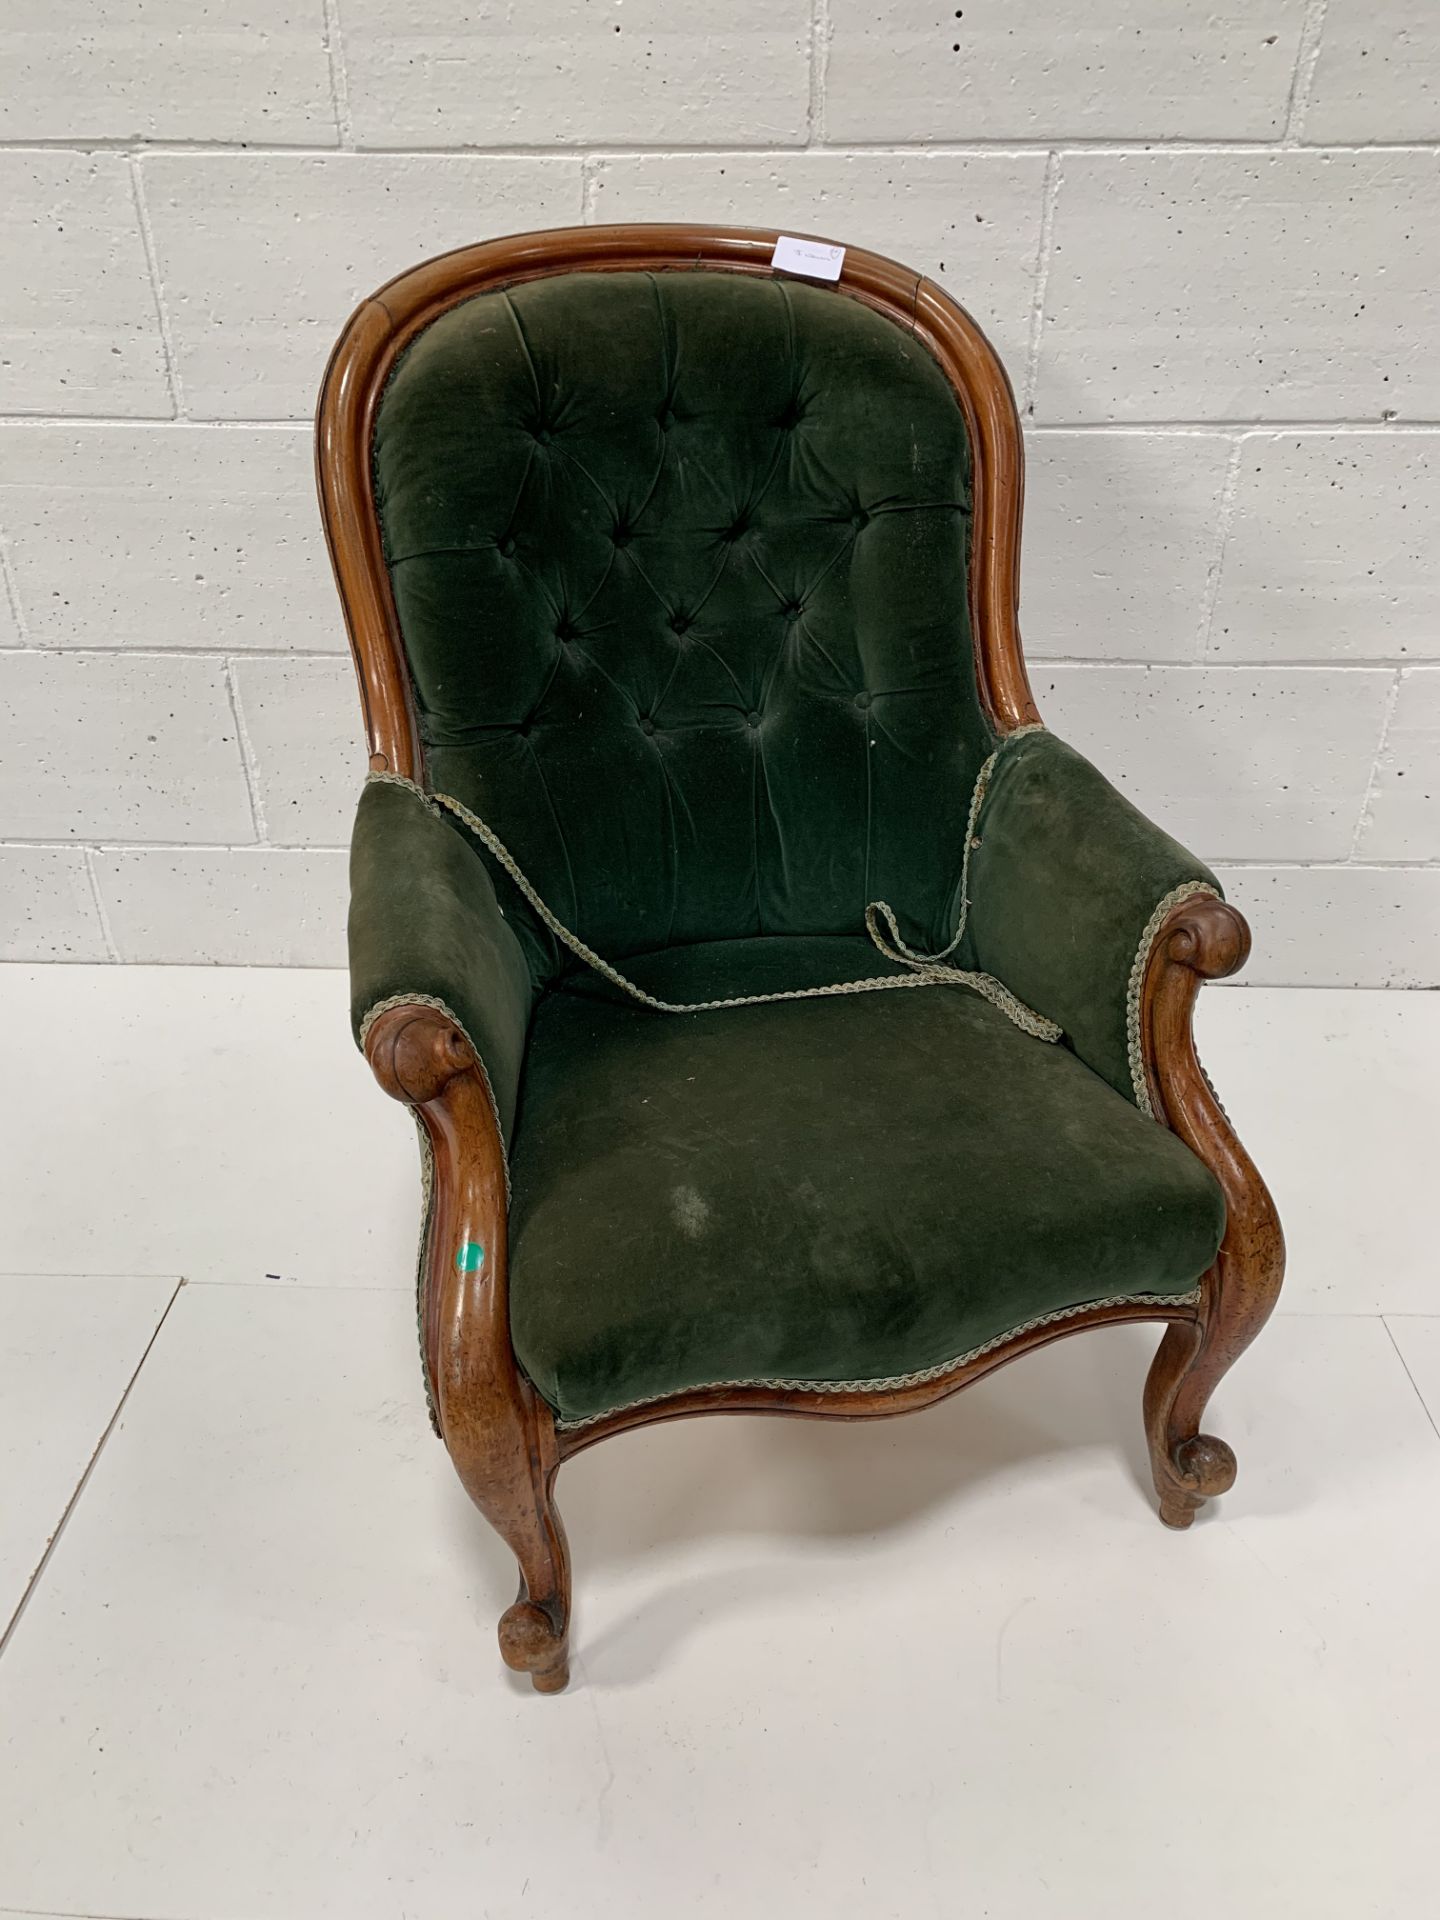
(471, 1257)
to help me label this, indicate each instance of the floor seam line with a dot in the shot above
(282, 1285)
(65, 1913)
(1399, 1354)
(70, 1505)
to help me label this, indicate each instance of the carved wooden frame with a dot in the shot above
(502, 1436)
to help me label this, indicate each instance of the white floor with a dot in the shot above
(949, 1665)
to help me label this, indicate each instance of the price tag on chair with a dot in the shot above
(810, 257)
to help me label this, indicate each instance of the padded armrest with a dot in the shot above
(1065, 882)
(425, 924)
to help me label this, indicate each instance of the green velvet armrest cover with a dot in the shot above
(1064, 883)
(425, 924)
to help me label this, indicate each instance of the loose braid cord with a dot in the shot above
(925, 969)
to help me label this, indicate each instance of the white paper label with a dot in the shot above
(811, 257)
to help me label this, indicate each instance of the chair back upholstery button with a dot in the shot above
(606, 494)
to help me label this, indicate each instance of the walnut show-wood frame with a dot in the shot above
(501, 1435)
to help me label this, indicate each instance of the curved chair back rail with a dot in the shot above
(385, 325)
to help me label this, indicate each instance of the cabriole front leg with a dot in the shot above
(1204, 938)
(499, 1433)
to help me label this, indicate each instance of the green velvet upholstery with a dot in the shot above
(1062, 884)
(424, 921)
(695, 543)
(827, 1189)
(680, 563)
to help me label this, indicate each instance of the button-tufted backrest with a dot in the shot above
(679, 561)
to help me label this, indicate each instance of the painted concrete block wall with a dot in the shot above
(1204, 240)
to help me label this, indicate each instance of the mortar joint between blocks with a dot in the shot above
(112, 948)
(1302, 80)
(1215, 567)
(152, 267)
(1044, 250)
(819, 48)
(339, 77)
(1391, 702)
(11, 587)
(1016, 146)
(247, 755)
(591, 169)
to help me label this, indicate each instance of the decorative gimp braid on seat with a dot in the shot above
(898, 1382)
(924, 969)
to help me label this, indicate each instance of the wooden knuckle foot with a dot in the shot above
(1200, 1468)
(530, 1642)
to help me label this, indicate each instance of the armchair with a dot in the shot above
(792, 1023)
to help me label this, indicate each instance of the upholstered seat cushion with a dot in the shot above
(840, 1188)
